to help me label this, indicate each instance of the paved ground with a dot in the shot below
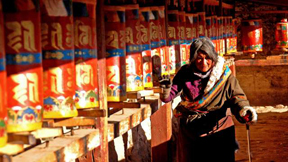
(269, 138)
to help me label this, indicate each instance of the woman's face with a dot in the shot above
(203, 62)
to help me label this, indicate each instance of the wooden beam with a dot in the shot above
(92, 112)
(124, 104)
(61, 149)
(263, 12)
(69, 122)
(47, 133)
(12, 148)
(24, 137)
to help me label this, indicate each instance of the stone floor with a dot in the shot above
(269, 138)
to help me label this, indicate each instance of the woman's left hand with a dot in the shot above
(249, 114)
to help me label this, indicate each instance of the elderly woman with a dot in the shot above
(210, 94)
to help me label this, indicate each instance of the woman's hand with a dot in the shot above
(249, 114)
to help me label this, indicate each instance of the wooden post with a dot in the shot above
(103, 124)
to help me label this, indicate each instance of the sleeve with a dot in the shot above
(177, 85)
(238, 98)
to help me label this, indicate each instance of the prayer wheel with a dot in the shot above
(115, 52)
(58, 60)
(221, 36)
(3, 99)
(134, 67)
(86, 95)
(195, 33)
(214, 24)
(281, 34)
(189, 31)
(201, 24)
(208, 30)
(252, 37)
(24, 65)
(229, 31)
(182, 38)
(173, 38)
(146, 47)
(155, 44)
(163, 43)
(234, 36)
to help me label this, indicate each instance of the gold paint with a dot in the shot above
(70, 80)
(44, 34)
(112, 39)
(57, 80)
(84, 75)
(29, 35)
(69, 35)
(153, 31)
(189, 32)
(171, 32)
(56, 36)
(129, 35)
(14, 38)
(144, 33)
(201, 29)
(181, 32)
(113, 74)
(85, 35)
(27, 88)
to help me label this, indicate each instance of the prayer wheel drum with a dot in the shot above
(182, 38)
(85, 43)
(58, 60)
(134, 67)
(3, 99)
(234, 35)
(146, 47)
(24, 66)
(281, 34)
(164, 55)
(201, 24)
(115, 52)
(252, 37)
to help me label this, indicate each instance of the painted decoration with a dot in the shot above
(115, 52)
(146, 47)
(201, 24)
(155, 44)
(182, 38)
(24, 65)
(163, 43)
(3, 99)
(173, 37)
(134, 66)
(86, 95)
(252, 37)
(281, 34)
(58, 59)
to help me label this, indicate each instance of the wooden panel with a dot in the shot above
(69, 122)
(66, 148)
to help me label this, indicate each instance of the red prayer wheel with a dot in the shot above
(146, 47)
(115, 52)
(173, 39)
(189, 31)
(252, 37)
(182, 38)
(84, 14)
(155, 44)
(3, 99)
(281, 34)
(229, 34)
(201, 24)
(208, 30)
(24, 66)
(58, 60)
(221, 36)
(214, 24)
(134, 67)
(195, 32)
(163, 44)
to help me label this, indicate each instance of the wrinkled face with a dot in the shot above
(203, 62)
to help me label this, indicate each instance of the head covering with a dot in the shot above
(203, 44)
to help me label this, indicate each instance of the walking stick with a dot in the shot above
(248, 142)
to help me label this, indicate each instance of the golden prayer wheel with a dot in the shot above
(3, 99)
(85, 43)
(134, 67)
(281, 34)
(24, 66)
(252, 37)
(58, 60)
(115, 53)
(146, 47)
